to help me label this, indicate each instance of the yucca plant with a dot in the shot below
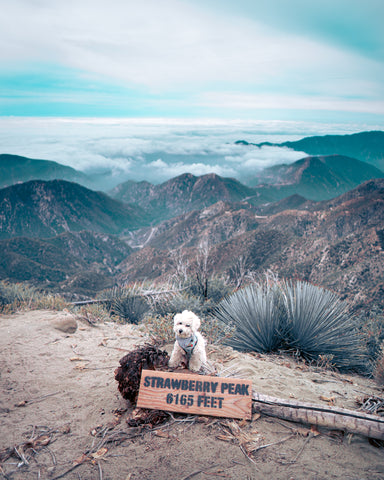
(318, 323)
(130, 308)
(256, 313)
(127, 303)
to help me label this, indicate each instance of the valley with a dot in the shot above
(319, 219)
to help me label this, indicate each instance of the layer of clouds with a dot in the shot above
(156, 150)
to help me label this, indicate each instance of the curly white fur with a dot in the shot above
(186, 325)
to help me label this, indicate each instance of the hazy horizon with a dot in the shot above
(158, 149)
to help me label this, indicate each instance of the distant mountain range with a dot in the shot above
(181, 194)
(365, 146)
(320, 219)
(315, 178)
(47, 208)
(15, 169)
(338, 243)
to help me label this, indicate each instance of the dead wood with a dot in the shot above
(128, 374)
(352, 421)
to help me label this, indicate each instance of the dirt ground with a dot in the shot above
(61, 415)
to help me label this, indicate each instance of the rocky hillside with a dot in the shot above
(47, 208)
(83, 262)
(337, 244)
(330, 173)
(62, 236)
(181, 194)
(315, 178)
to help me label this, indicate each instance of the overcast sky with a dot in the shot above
(232, 59)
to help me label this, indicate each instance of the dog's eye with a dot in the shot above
(188, 325)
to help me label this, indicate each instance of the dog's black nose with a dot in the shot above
(180, 330)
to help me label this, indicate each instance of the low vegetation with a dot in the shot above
(264, 316)
(256, 316)
(319, 323)
(16, 296)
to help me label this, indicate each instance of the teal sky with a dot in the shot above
(248, 59)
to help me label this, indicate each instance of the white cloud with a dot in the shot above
(256, 102)
(156, 150)
(253, 158)
(162, 171)
(167, 45)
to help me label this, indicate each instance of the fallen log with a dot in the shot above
(352, 421)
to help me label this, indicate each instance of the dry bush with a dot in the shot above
(378, 373)
(93, 313)
(16, 296)
(160, 328)
(49, 302)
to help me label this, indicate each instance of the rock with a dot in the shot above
(66, 325)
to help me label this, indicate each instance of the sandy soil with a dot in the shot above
(60, 408)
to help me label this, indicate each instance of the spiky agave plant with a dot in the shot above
(130, 308)
(318, 323)
(127, 302)
(256, 313)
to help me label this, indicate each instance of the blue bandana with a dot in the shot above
(188, 344)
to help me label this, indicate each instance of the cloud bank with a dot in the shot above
(158, 149)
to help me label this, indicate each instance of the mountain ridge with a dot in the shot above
(365, 146)
(315, 178)
(47, 208)
(181, 194)
(336, 243)
(17, 169)
(318, 177)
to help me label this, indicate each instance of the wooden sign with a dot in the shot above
(198, 394)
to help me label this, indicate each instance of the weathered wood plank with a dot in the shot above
(195, 394)
(352, 421)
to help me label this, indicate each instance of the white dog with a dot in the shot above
(190, 344)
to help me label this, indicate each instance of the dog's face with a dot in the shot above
(185, 324)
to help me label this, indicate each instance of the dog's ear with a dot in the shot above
(195, 321)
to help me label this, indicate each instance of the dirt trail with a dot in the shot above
(58, 392)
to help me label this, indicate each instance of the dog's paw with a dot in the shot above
(194, 366)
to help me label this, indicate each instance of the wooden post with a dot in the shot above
(331, 417)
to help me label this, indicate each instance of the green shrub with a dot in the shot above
(257, 315)
(319, 323)
(299, 317)
(15, 294)
(129, 303)
(184, 301)
(93, 313)
(130, 308)
(216, 289)
(215, 331)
